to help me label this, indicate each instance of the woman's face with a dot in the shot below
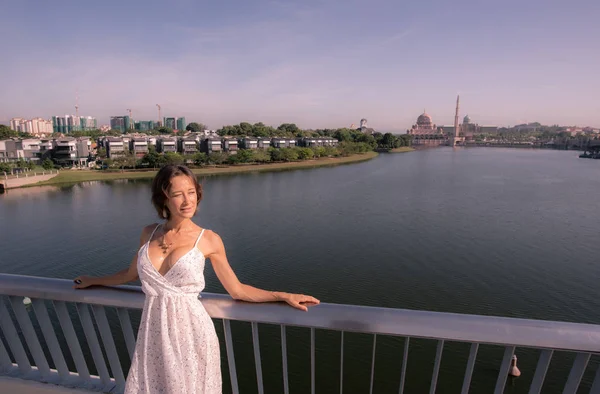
(182, 198)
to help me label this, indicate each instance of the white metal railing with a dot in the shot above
(582, 339)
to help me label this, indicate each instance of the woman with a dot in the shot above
(177, 350)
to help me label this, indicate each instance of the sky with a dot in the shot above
(316, 63)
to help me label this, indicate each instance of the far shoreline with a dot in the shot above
(77, 176)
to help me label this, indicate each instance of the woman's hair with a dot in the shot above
(162, 183)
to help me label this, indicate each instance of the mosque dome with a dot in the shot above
(424, 120)
(467, 119)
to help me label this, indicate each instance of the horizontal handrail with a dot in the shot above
(387, 321)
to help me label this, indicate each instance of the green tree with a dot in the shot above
(217, 157)
(245, 156)
(319, 151)
(47, 164)
(173, 158)
(289, 128)
(5, 167)
(195, 127)
(153, 159)
(101, 153)
(261, 156)
(305, 153)
(165, 130)
(289, 154)
(200, 158)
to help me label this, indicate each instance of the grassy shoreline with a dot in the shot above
(75, 176)
(402, 149)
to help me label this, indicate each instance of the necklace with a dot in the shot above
(164, 245)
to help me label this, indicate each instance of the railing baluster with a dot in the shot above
(127, 330)
(286, 389)
(230, 356)
(373, 363)
(596, 385)
(13, 340)
(540, 372)
(576, 373)
(502, 375)
(312, 360)
(109, 344)
(30, 335)
(404, 364)
(69, 332)
(41, 312)
(469, 370)
(342, 365)
(256, 346)
(5, 362)
(436, 368)
(92, 340)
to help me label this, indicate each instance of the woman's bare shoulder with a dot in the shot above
(146, 231)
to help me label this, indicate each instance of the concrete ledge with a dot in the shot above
(20, 386)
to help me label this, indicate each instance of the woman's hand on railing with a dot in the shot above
(299, 301)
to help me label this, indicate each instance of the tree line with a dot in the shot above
(153, 159)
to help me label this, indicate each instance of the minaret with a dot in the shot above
(456, 125)
(455, 137)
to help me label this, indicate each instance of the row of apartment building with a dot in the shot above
(139, 145)
(67, 151)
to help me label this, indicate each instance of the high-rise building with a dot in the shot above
(88, 123)
(121, 123)
(170, 123)
(70, 123)
(181, 125)
(145, 125)
(15, 123)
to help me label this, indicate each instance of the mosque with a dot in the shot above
(425, 132)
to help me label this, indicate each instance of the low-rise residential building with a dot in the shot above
(264, 143)
(3, 152)
(280, 142)
(46, 146)
(65, 151)
(230, 145)
(211, 144)
(249, 143)
(188, 145)
(126, 143)
(318, 141)
(166, 144)
(31, 149)
(15, 149)
(139, 146)
(114, 147)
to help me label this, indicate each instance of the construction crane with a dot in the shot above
(159, 122)
(77, 104)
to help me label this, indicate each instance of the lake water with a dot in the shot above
(484, 231)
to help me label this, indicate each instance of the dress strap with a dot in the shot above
(153, 231)
(199, 236)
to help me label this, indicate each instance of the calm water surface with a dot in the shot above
(484, 231)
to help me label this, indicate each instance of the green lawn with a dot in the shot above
(74, 176)
(402, 149)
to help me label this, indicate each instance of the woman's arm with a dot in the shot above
(124, 276)
(243, 292)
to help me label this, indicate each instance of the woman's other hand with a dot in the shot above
(299, 301)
